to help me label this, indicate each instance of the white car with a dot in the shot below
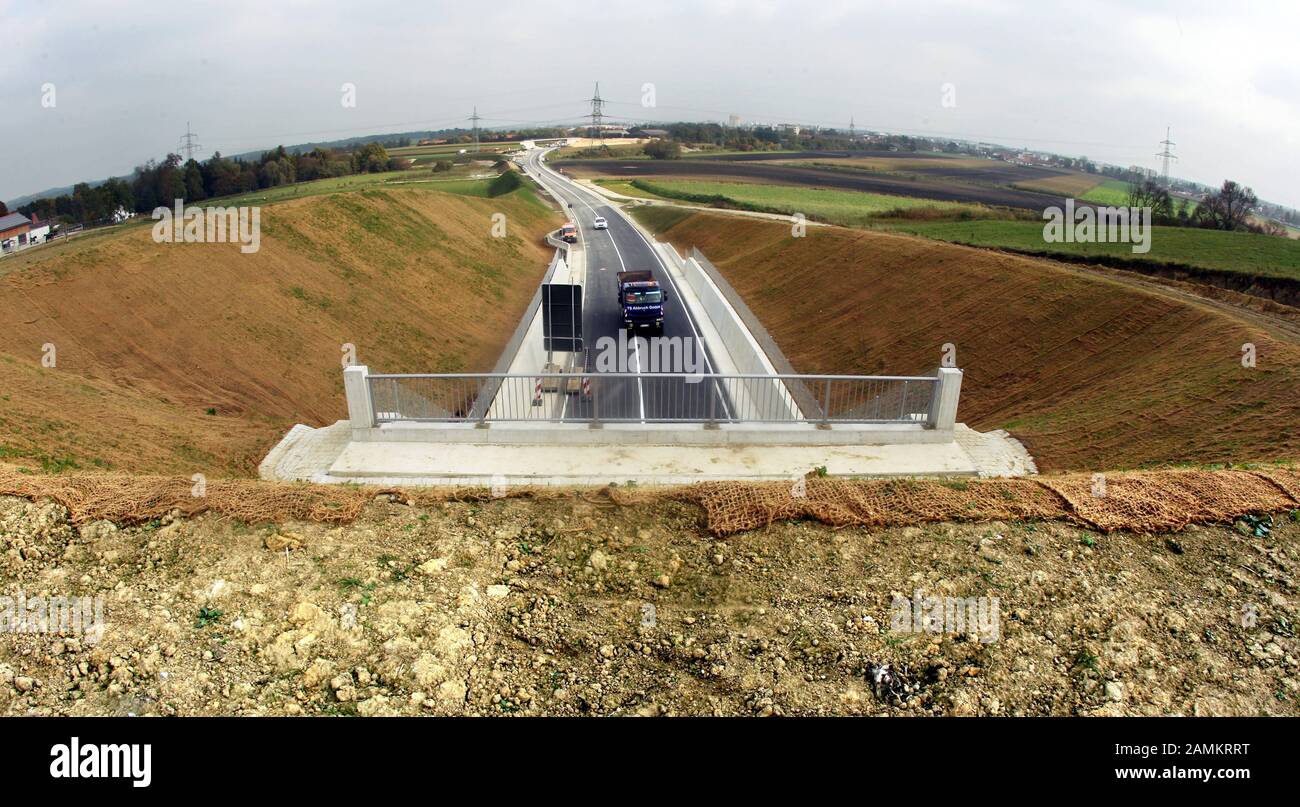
(600, 223)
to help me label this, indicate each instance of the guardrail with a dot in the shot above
(591, 397)
(557, 242)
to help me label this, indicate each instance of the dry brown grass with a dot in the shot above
(1152, 501)
(149, 337)
(1074, 185)
(1090, 372)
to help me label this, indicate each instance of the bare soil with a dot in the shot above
(574, 606)
(980, 185)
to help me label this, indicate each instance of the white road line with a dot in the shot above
(583, 243)
(636, 345)
(689, 320)
(636, 348)
(580, 194)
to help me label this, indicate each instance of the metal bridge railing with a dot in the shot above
(647, 398)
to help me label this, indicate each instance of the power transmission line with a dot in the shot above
(1165, 156)
(597, 110)
(187, 143)
(475, 118)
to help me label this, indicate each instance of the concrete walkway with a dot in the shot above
(328, 455)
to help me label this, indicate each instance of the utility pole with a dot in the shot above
(475, 118)
(853, 130)
(597, 110)
(187, 144)
(1166, 155)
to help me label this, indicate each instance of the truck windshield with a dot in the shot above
(650, 297)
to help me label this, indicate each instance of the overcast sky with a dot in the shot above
(1101, 78)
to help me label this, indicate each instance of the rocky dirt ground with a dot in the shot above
(577, 606)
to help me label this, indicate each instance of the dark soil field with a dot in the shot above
(764, 171)
(969, 170)
(760, 156)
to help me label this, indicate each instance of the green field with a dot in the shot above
(847, 208)
(1111, 192)
(1246, 253)
(626, 188)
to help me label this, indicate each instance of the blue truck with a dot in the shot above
(642, 301)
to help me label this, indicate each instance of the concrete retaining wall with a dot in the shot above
(730, 342)
(560, 434)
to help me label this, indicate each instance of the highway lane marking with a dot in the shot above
(636, 343)
(583, 242)
(636, 350)
(689, 320)
(576, 193)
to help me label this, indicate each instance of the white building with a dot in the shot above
(39, 232)
(15, 231)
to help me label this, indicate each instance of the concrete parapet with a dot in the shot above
(357, 389)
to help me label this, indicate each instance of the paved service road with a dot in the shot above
(623, 247)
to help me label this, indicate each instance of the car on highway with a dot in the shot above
(600, 223)
(569, 233)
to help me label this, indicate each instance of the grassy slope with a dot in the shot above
(1090, 373)
(1237, 252)
(150, 336)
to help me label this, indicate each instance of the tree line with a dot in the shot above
(1231, 207)
(156, 184)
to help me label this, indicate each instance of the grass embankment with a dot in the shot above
(458, 180)
(1092, 373)
(196, 357)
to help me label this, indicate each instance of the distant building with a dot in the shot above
(733, 120)
(15, 231)
(39, 232)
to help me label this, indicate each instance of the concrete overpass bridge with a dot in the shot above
(740, 412)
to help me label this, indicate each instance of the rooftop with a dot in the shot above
(13, 220)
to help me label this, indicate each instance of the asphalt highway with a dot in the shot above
(609, 251)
